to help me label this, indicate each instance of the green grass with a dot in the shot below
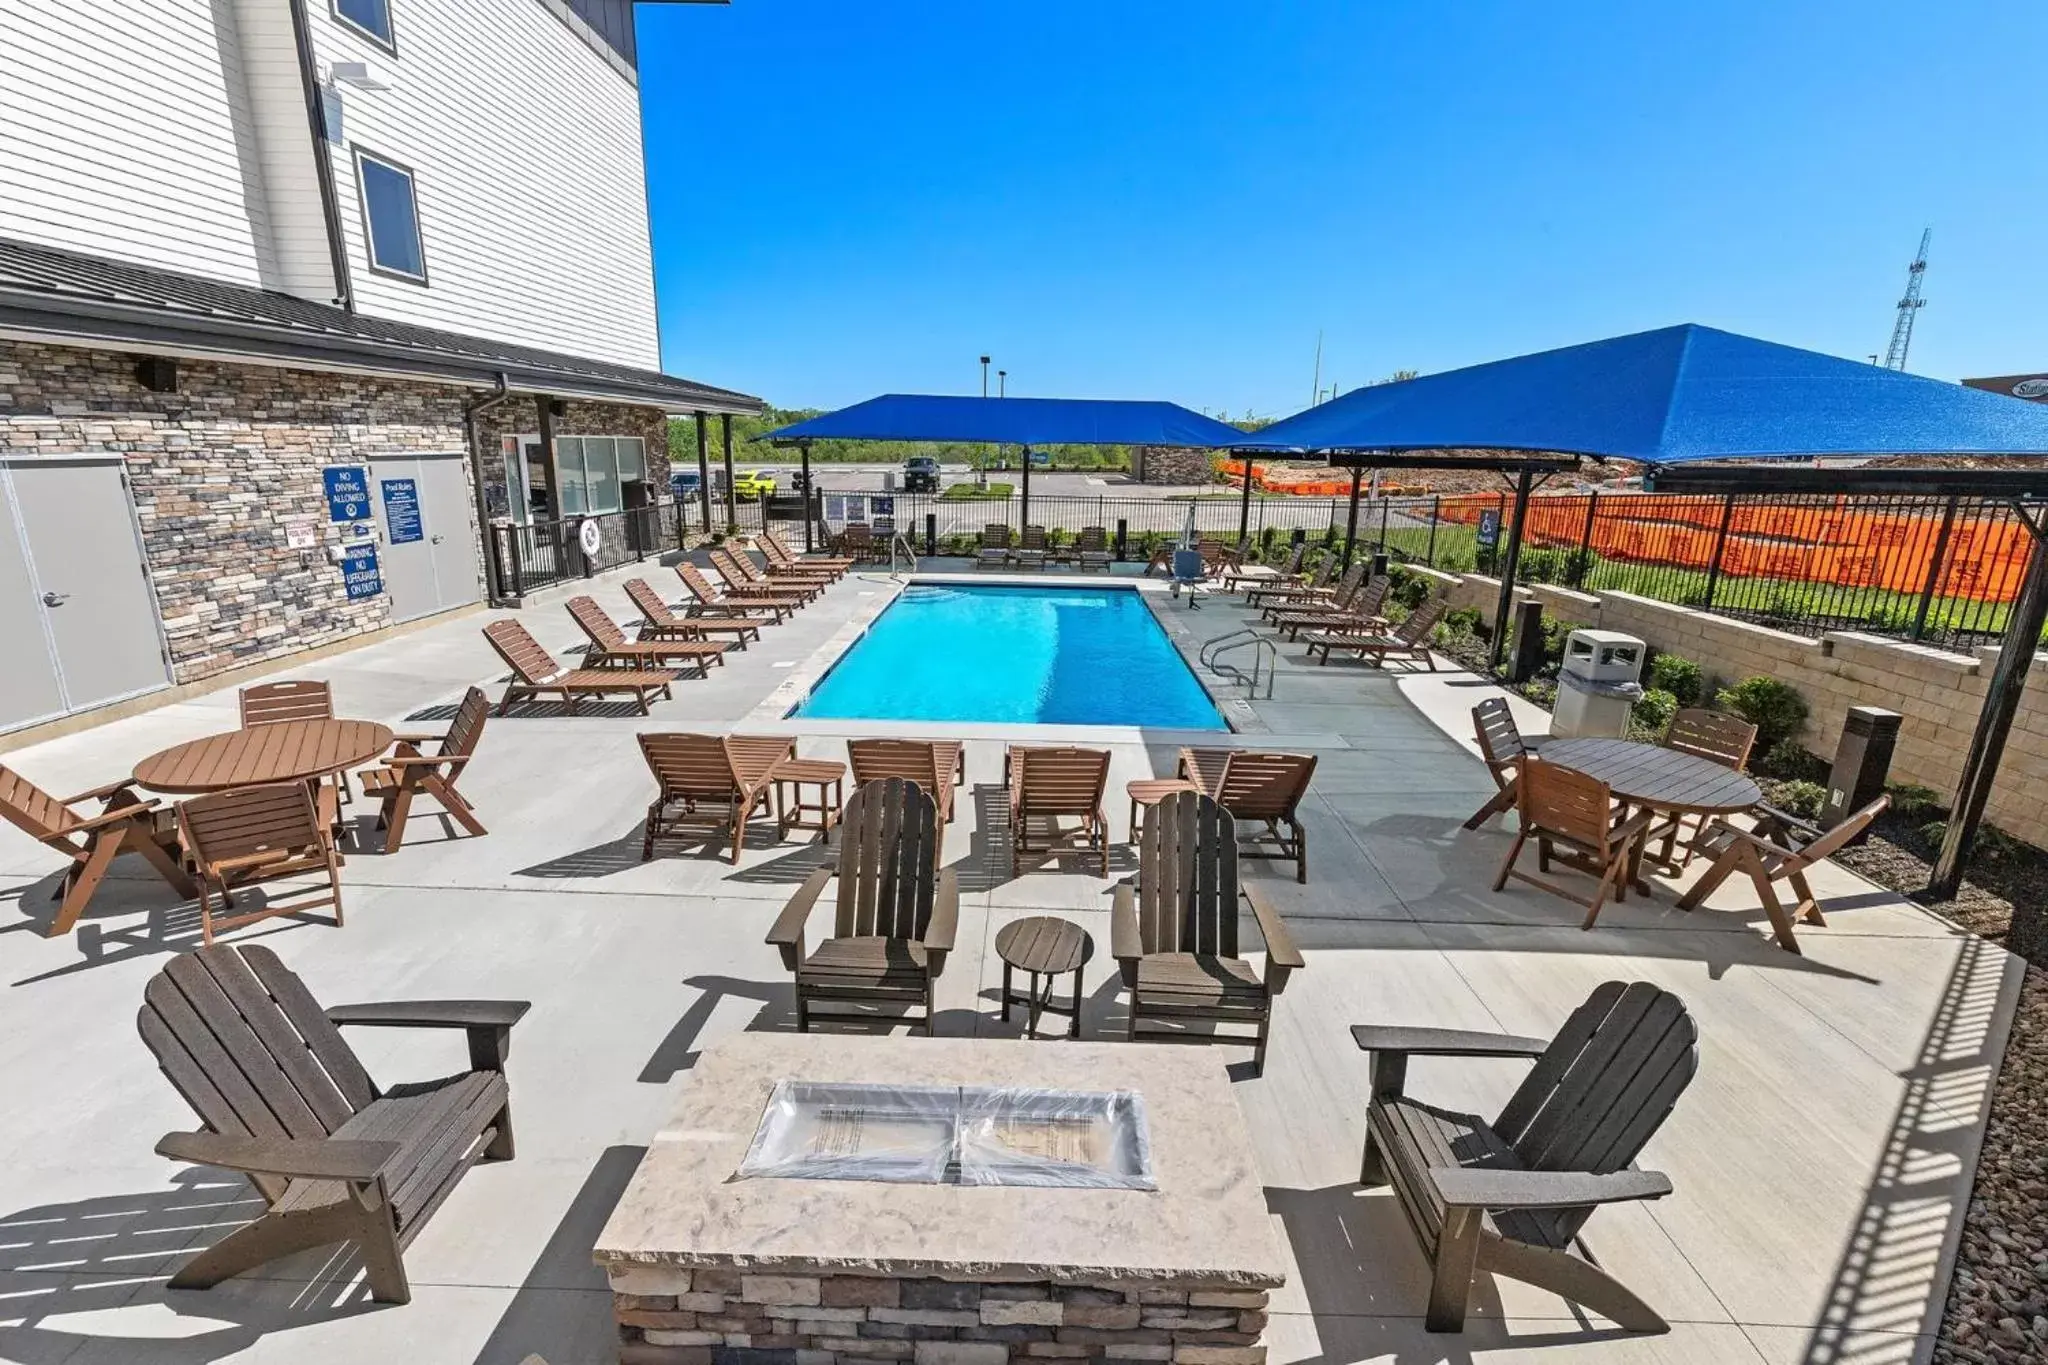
(970, 492)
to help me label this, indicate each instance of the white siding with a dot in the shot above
(289, 172)
(525, 145)
(125, 131)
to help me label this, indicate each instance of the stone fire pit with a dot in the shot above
(707, 1266)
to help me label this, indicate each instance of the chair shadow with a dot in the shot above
(439, 711)
(101, 1258)
(678, 1052)
(166, 929)
(791, 868)
(599, 860)
(533, 709)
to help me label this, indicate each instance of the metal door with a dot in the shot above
(85, 560)
(423, 539)
(445, 495)
(29, 688)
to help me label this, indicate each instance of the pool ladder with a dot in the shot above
(901, 543)
(1264, 651)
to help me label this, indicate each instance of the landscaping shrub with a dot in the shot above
(1457, 559)
(1803, 799)
(1463, 621)
(1653, 711)
(1409, 594)
(1775, 708)
(1679, 676)
(1539, 564)
(1916, 803)
(1788, 760)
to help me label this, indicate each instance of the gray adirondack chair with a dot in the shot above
(286, 1102)
(896, 913)
(1510, 1196)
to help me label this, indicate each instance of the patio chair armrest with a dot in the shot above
(432, 1013)
(413, 760)
(1768, 814)
(1462, 1187)
(115, 816)
(101, 793)
(1282, 956)
(419, 738)
(945, 922)
(307, 1158)
(1126, 944)
(1444, 1042)
(787, 933)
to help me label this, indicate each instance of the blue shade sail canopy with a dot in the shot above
(1016, 421)
(1667, 397)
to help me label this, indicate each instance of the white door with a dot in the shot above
(424, 547)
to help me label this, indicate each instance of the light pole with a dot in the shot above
(981, 474)
(1002, 383)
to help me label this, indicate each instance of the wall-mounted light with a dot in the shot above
(361, 75)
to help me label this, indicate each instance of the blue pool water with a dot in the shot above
(1044, 656)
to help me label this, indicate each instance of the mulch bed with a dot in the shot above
(1997, 1309)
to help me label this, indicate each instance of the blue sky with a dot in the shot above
(1169, 200)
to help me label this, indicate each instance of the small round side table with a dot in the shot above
(1047, 947)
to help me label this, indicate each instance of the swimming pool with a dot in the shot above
(1033, 656)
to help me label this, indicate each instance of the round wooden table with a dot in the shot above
(291, 751)
(1044, 946)
(1656, 778)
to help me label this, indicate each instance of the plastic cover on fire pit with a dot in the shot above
(967, 1135)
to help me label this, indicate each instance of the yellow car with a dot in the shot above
(759, 484)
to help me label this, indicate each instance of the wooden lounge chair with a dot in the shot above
(1780, 849)
(1031, 552)
(782, 565)
(1408, 641)
(412, 771)
(1091, 550)
(1504, 749)
(1174, 934)
(995, 546)
(1266, 787)
(740, 573)
(777, 549)
(119, 821)
(609, 647)
(1261, 595)
(535, 673)
(1047, 783)
(248, 835)
(895, 917)
(707, 601)
(287, 1103)
(1510, 1196)
(1559, 806)
(274, 703)
(1267, 574)
(1359, 613)
(1335, 598)
(715, 781)
(1712, 735)
(934, 765)
(657, 622)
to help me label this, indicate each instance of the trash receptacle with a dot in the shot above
(1598, 683)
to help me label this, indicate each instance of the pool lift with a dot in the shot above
(1189, 571)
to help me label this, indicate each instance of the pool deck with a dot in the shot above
(1821, 1159)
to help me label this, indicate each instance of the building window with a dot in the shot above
(372, 18)
(391, 217)
(597, 472)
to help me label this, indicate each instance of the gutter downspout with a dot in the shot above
(323, 164)
(472, 408)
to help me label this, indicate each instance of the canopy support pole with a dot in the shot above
(704, 470)
(1244, 506)
(1024, 517)
(1351, 522)
(732, 506)
(804, 452)
(1994, 723)
(1523, 483)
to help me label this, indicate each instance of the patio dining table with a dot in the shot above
(290, 751)
(1655, 778)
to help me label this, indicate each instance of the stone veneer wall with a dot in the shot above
(730, 1317)
(1938, 693)
(518, 415)
(1164, 464)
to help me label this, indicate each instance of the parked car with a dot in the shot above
(760, 483)
(921, 474)
(684, 484)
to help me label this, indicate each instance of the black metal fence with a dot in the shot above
(943, 525)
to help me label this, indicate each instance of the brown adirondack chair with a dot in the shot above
(1266, 574)
(248, 835)
(708, 601)
(609, 647)
(1317, 600)
(1715, 736)
(1408, 641)
(1510, 1196)
(694, 773)
(895, 917)
(780, 549)
(1174, 934)
(535, 673)
(995, 546)
(1047, 783)
(274, 703)
(1092, 550)
(1780, 849)
(412, 771)
(1560, 806)
(1266, 787)
(934, 765)
(1260, 595)
(1360, 612)
(287, 1103)
(740, 573)
(123, 823)
(657, 622)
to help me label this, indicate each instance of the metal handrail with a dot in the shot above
(1262, 648)
(902, 542)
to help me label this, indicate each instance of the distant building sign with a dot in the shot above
(348, 493)
(2030, 386)
(402, 510)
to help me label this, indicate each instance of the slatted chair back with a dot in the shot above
(888, 863)
(1187, 878)
(1500, 739)
(1415, 630)
(1092, 539)
(1292, 564)
(1349, 584)
(858, 538)
(274, 703)
(1034, 538)
(1058, 781)
(1714, 735)
(1371, 598)
(913, 760)
(995, 536)
(1264, 786)
(653, 610)
(1565, 801)
(34, 811)
(464, 732)
(222, 828)
(692, 767)
(1601, 1089)
(735, 569)
(596, 622)
(242, 1039)
(778, 553)
(1325, 571)
(1839, 837)
(699, 586)
(522, 653)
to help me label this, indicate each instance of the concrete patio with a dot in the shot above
(1822, 1158)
